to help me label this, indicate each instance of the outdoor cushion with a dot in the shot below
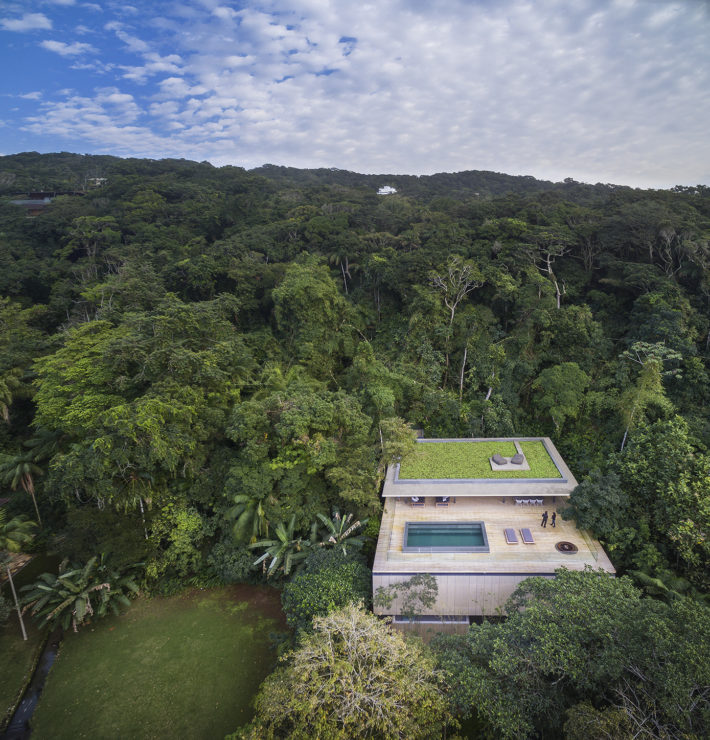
(510, 537)
(518, 458)
(526, 534)
(499, 459)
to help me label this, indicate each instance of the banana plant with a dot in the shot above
(78, 593)
(285, 550)
(249, 517)
(338, 529)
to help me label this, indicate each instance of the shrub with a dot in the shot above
(232, 562)
(328, 582)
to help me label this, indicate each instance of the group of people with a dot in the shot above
(543, 523)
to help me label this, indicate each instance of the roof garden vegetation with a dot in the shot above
(469, 459)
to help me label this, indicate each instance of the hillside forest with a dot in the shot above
(193, 357)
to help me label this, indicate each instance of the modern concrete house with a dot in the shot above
(469, 512)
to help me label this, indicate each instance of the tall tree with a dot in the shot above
(352, 677)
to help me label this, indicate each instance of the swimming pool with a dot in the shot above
(445, 537)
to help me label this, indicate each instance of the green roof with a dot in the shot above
(471, 460)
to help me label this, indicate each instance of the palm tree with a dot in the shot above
(13, 535)
(340, 258)
(20, 471)
(250, 518)
(341, 528)
(9, 383)
(78, 593)
(287, 548)
(43, 444)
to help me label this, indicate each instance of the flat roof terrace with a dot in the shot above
(541, 557)
(462, 467)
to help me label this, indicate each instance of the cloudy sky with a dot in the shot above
(598, 90)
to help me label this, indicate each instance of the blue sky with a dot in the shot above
(598, 90)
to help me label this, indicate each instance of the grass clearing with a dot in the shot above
(186, 666)
(452, 460)
(17, 658)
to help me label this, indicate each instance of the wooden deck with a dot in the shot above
(497, 514)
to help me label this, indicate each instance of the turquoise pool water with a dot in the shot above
(445, 537)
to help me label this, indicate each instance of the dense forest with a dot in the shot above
(193, 359)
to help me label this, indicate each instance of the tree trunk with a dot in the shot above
(490, 388)
(30, 489)
(345, 280)
(463, 367)
(623, 441)
(626, 431)
(17, 605)
(145, 531)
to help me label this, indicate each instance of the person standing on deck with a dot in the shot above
(543, 523)
(554, 517)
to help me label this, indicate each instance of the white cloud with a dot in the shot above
(28, 22)
(224, 13)
(600, 90)
(94, 65)
(67, 50)
(31, 95)
(133, 43)
(176, 87)
(155, 64)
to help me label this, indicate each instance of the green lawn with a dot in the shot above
(17, 658)
(180, 667)
(447, 460)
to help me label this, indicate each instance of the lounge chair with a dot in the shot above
(417, 500)
(442, 500)
(518, 458)
(499, 459)
(510, 537)
(526, 534)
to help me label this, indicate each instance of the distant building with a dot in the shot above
(469, 512)
(386, 190)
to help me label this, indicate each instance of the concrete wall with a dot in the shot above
(460, 594)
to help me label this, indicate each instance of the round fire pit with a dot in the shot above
(567, 547)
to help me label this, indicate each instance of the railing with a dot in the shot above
(591, 544)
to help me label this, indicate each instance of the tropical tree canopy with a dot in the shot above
(352, 677)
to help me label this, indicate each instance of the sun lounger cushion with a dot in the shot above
(510, 537)
(526, 534)
(518, 458)
(499, 459)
